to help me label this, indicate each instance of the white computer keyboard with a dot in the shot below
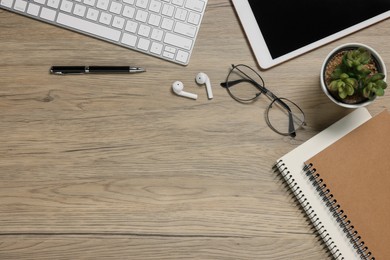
(163, 28)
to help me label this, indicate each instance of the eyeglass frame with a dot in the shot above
(263, 90)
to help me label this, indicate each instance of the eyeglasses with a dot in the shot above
(245, 86)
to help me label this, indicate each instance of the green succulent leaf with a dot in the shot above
(342, 93)
(381, 84)
(366, 93)
(365, 55)
(344, 76)
(333, 85)
(380, 92)
(340, 84)
(377, 76)
(336, 73)
(352, 82)
(370, 86)
(350, 90)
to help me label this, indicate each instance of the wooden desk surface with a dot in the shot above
(117, 167)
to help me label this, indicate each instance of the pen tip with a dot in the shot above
(136, 69)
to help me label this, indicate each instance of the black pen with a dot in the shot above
(63, 70)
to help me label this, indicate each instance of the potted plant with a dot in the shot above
(353, 75)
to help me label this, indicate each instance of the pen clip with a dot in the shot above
(66, 73)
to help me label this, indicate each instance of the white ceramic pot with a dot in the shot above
(380, 64)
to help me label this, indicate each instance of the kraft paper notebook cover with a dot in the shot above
(356, 169)
(351, 159)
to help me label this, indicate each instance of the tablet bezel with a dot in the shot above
(259, 46)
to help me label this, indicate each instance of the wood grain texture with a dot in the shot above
(118, 167)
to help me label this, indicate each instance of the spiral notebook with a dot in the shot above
(341, 178)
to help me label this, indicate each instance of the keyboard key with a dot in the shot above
(154, 20)
(33, 9)
(144, 30)
(142, 3)
(7, 3)
(170, 49)
(79, 10)
(194, 18)
(131, 26)
(89, 27)
(53, 3)
(129, 39)
(20, 5)
(118, 22)
(157, 34)
(178, 2)
(168, 10)
(156, 48)
(115, 8)
(131, 2)
(66, 6)
(167, 24)
(182, 56)
(185, 29)
(181, 14)
(105, 18)
(168, 55)
(195, 5)
(48, 14)
(128, 11)
(143, 44)
(155, 6)
(141, 16)
(92, 14)
(102, 4)
(178, 41)
(90, 2)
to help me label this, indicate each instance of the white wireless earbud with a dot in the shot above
(202, 78)
(178, 87)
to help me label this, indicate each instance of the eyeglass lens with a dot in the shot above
(241, 83)
(284, 120)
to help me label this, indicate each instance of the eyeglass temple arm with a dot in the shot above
(233, 82)
(229, 84)
(291, 128)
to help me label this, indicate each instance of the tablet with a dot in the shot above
(279, 30)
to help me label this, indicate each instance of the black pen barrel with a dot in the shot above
(107, 69)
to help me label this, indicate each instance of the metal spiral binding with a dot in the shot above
(310, 213)
(331, 203)
(338, 213)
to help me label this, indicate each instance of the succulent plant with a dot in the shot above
(374, 86)
(354, 75)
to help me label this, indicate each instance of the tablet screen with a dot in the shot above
(289, 25)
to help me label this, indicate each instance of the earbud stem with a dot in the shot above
(209, 91)
(188, 95)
